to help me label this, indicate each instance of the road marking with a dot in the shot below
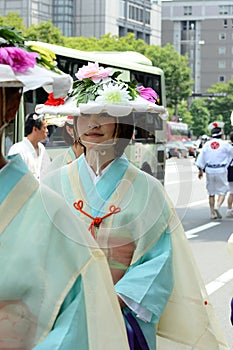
(219, 282)
(191, 233)
(192, 204)
(167, 183)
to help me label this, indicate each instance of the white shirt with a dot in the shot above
(37, 164)
(215, 156)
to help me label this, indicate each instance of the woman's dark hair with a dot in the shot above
(66, 136)
(33, 119)
(124, 133)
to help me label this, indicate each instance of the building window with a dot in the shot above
(222, 36)
(221, 64)
(122, 8)
(121, 31)
(63, 16)
(225, 9)
(147, 17)
(184, 25)
(225, 23)
(221, 78)
(222, 50)
(138, 14)
(187, 10)
(147, 39)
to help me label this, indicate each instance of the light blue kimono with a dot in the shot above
(49, 264)
(145, 281)
(149, 257)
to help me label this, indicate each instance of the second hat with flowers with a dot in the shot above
(100, 90)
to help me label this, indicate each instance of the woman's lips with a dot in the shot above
(93, 134)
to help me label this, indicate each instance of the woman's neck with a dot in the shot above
(99, 159)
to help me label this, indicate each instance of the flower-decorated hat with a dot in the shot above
(8, 78)
(30, 66)
(100, 90)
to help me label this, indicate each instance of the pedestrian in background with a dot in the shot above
(30, 148)
(69, 133)
(229, 213)
(214, 159)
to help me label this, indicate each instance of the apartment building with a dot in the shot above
(93, 18)
(204, 31)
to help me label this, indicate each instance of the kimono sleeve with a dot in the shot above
(149, 281)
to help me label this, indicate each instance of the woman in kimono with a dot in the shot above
(74, 150)
(133, 221)
(54, 280)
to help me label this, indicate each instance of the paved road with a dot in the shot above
(208, 238)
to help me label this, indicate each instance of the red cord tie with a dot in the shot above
(97, 220)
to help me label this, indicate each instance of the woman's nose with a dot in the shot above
(93, 123)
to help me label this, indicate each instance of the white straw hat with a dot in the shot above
(98, 90)
(8, 77)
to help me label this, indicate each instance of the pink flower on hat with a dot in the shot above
(18, 59)
(93, 72)
(147, 93)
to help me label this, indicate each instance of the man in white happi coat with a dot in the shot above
(30, 148)
(214, 159)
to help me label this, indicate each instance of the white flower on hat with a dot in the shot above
(113, 94)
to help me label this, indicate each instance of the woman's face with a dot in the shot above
(96, 129)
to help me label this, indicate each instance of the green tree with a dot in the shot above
(13, 20)
(107, 42)
(220, 108)
(45, 32)
(200, 117)
(176, 71)
(81, 43)
(184, 113)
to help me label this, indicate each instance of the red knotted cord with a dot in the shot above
(97, 220)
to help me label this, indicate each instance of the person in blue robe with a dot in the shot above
(128, 213)
(54, 281)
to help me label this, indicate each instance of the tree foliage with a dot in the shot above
(184, 113)
(220, 108)
(13, 19)
(200, 117)
(107, 42)
(45, 32)
(177, 73)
